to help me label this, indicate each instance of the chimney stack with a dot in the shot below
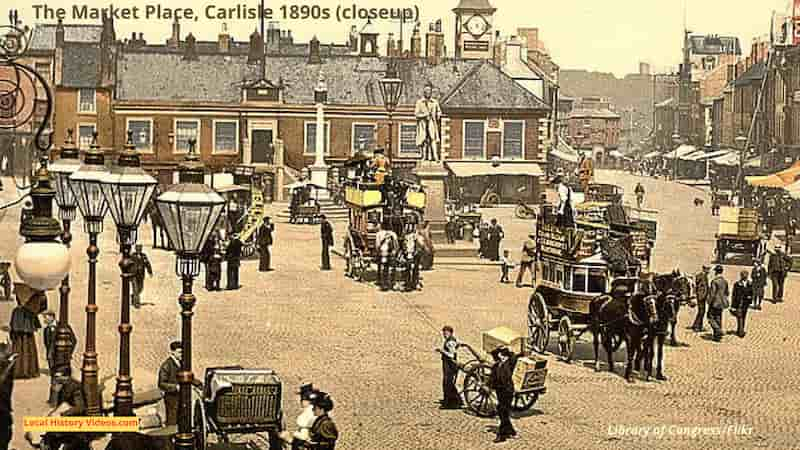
(190, 51)
(224, 40)
(416, 42)
(60, 34)
(313, 52)
(353, 39)
(256, 48)
(175, 40)
(434, 45)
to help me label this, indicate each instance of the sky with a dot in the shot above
(599, 35)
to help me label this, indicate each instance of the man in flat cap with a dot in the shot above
(233, 255)
(501, 380)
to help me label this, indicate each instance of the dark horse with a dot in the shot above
(157, 224)
(622, 317)
(673, 289)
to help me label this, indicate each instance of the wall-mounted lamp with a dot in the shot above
(171, 137)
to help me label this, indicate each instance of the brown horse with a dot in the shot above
(153, 215)
(673, 289)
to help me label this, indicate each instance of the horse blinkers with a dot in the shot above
(652, 309)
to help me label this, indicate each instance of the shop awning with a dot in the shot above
(794, 190)
(681, 151)
(465, 169)
(616, 154)
(564, 155)
(731, 159)
(780, 179)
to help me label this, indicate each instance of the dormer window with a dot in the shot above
(262, 91)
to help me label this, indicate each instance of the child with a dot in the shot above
(507, 266)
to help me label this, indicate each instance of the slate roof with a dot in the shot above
(44, 35)
(167, 76)
(715, 45)
(592, 114)
(351, 80)
(754, 73)
(487, 87)
(81, 65)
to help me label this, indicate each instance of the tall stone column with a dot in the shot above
(319, 171)
(433, 176)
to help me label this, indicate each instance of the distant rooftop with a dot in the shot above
(715, 45)
(44, 35)
(582, 113)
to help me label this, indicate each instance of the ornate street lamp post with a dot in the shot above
(86, 186)
(190, 210)
(67, 164)
(42, 262)
(391, 91)
(128, 190)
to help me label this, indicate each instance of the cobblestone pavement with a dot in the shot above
(374, 351)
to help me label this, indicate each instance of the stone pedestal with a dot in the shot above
(319, 177)
(432, 176)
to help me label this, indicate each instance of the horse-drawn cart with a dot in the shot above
(235, 400)
(529, 375)
(738, 233)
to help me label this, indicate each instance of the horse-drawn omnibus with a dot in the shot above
(576, 266)
(397, 203)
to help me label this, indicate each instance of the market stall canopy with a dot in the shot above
(703, 156)
(299, 184)
(652, 155)
(616, 154)
(681, 151)
(565, 152)
(731, 159)
(465, 169)
(780, 179)
(794, 190)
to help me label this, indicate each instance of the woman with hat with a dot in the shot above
(24, 325)
(305, 420)
(323, 432)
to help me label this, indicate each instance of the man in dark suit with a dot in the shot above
(501, 380)
(701, 289)
(740, 303)
(717, 302)
(233, 255)
(264, 242)
(759, 278)
(496, 235)
(326, 235)
(450, 397)
(141, 264)
(168, 382)
(778, 268)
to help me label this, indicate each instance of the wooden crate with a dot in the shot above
(502, 336)
(529, 374)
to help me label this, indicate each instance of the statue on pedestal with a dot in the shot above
(429, 118)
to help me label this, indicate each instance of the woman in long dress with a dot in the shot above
(24, 324)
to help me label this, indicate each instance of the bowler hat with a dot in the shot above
(718, 269)
(175, 345)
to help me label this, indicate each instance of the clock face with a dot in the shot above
(477, 26)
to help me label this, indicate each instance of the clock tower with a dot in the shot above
(474, 33)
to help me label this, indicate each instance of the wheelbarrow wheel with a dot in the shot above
(479, 398)
(200, 425)
(524, 401)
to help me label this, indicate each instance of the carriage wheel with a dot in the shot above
(524, 401)
(538, 323)
(200, 426)
(480, 399)
(566, 339)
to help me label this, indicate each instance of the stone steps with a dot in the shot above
(331, 210)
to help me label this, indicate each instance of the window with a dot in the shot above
(579, 279)
(311, 138)
(513, 139)
(43, 69)
(474, 139)
(86, 101)
(186, 130)
(226, 136)
(363, 137)
(408, 138)
(597, 281)
(142, 133)
(86, 135)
